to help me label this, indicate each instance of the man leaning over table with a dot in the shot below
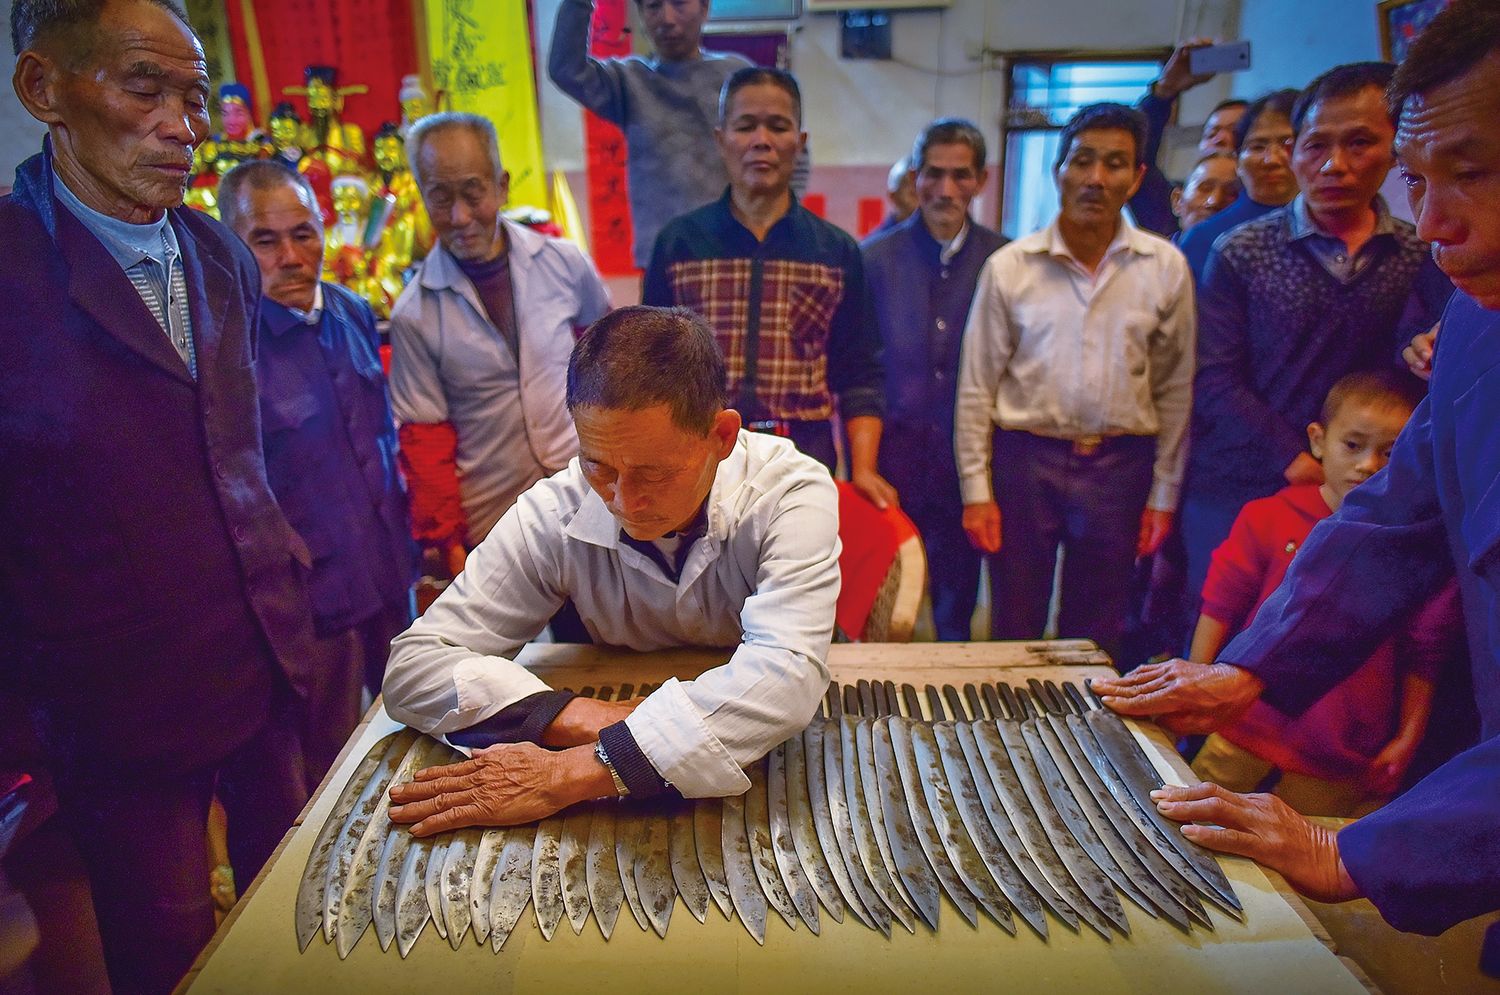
(672, 528)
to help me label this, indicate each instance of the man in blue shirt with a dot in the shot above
(1431, 858)
(330, 445)
(922, 272)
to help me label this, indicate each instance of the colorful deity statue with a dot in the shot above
(415, 104)
(339, 144)
(286, 134)
(347, 254)
(407, 235)
(238, 142)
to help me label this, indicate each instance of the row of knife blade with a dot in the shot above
(1023, 803)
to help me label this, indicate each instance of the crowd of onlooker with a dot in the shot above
(1135, 415)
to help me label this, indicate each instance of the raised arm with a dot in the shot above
(596, 84)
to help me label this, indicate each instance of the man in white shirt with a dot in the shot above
(1075, 385)
(672, 528)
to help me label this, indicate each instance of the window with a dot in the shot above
(1044, 91)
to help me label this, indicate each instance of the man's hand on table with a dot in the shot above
(1265, 829)
(579, 722)
(504, 785)
(1183, 696)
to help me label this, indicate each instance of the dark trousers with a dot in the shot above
(144, 842)
(814, 438)
(952, 560)
(1090, 506)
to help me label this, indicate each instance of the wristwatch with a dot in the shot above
(620, 787)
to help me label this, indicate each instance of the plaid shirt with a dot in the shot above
(795, 304)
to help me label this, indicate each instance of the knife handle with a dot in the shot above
(913, 702)
(935, 703)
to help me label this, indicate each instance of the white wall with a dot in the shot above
(1294, 40)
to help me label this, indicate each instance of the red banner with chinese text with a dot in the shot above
(609, 207)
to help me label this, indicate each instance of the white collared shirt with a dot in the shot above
(763, 578)
(1055, 350)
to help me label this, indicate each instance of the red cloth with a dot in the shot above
(428, 459)
(870, 539)
(1338, 736)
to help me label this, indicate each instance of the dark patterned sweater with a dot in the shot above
(1276, 330)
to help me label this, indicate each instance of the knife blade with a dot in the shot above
(758, 832)
(708, 836)
(399, 841)
(880, 876)
(432, 885)
(458, 879)
(1005, 813)
(829, 836)
(906, 850)
(1130, 789)
(312, 889)
(877, 915)
(1167, 890)
(510, 891)
(971, 813)
(356, 909)
(546, 876)
(1101, 907)
(630, 843)
(928, 835)
(805, 830)
(653, 868)
(412, 912)
(869, 786)
(572, 865)
(341, 856)
(793, 876)
(963, 854)
(687, 873)
(602, 867)
(480, 885)
(739, 868)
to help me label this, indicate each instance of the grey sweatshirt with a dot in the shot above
(667, 110)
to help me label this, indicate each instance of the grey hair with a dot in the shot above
(33, 20)
(260, 174)
(425, 127)
(948, 131)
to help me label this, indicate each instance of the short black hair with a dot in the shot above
(1453, 42)
(32, 21)
(1276, 102)
(638, 357)
(1096, 117)
(1386, 388)
(948, 131)
(259, 174)
(1224, 105)
(1342, 81)
(753, 76)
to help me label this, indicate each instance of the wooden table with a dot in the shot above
(1273, 950)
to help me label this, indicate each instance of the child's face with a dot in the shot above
(1355, 444)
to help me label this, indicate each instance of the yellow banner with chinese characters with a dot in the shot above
(480, 52)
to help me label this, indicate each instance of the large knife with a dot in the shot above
(481, 884)
(758, 832)
(739, 867)
(357, 908)
(602, 868)
(1168, 890)
(830, 835)
(1103, 906)
(805, 829)
(828, 735)
(432, 885)
(510, 891)
(992, 851)
(708, 837)
(312, 889)
(341, 857)
(572, 864)
(1138, 777)
(869, 783)
(687, 872)
(788, 862)
(399, 842)
(880, 876)
(967, 862)
(458, 880)
(906, 849)
(412, 910)
(653, 868)
(929, 836)
(630, 844)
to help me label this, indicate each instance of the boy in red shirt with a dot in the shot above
(1346, 755)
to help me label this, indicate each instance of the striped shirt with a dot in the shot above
(145, 252)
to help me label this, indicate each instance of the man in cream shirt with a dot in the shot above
(672, 528)
(1074, 389)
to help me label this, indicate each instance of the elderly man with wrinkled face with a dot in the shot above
(158, 623)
